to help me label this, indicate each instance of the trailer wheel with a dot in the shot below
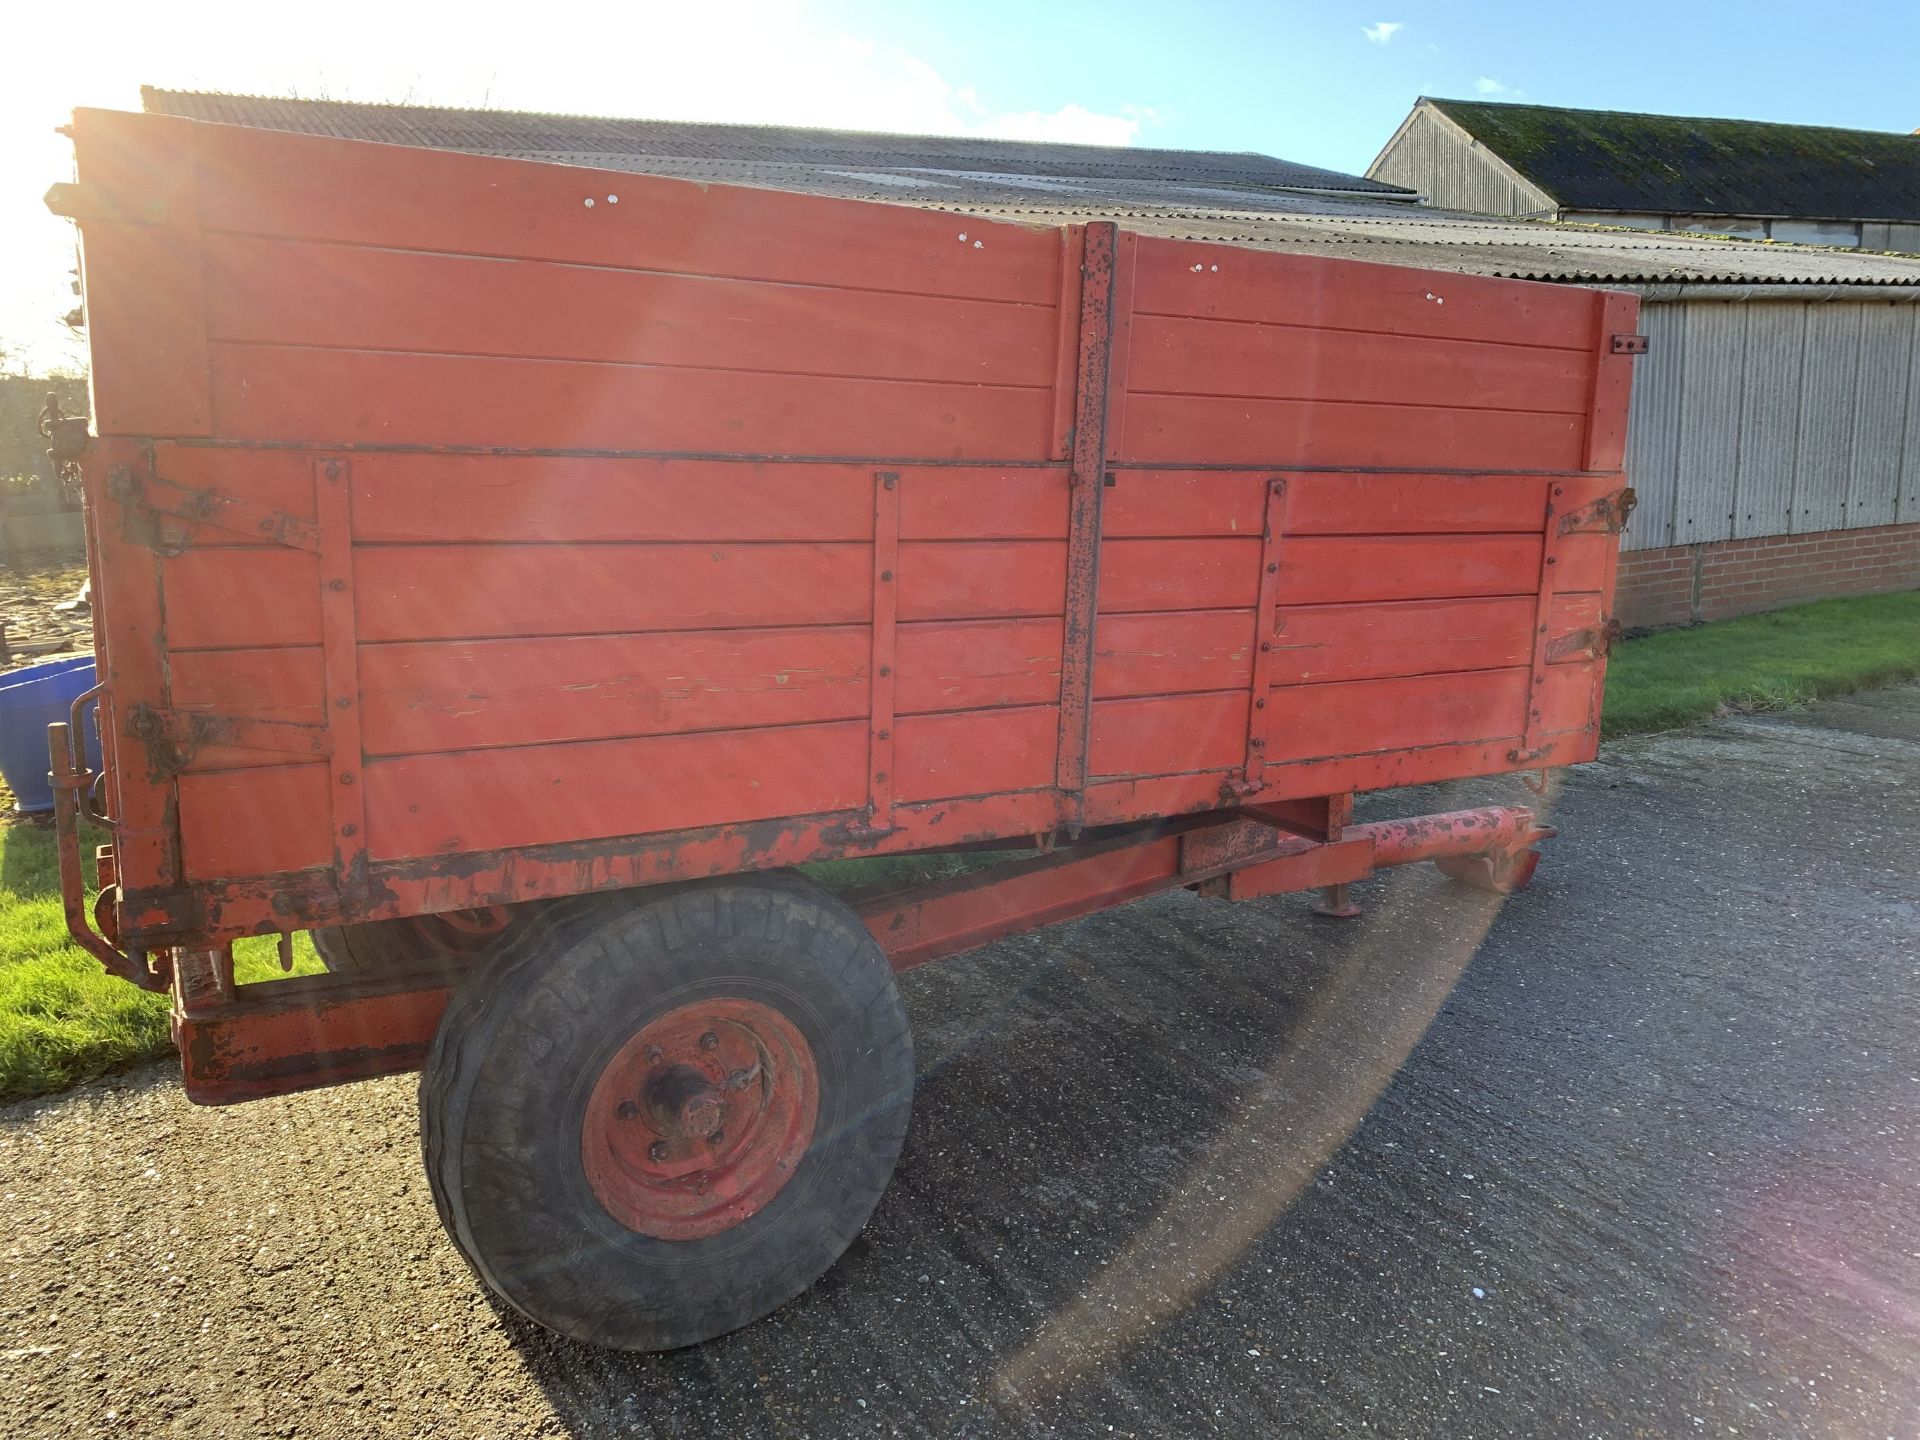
(652, 1119)
(1500, 872)
(454, 936)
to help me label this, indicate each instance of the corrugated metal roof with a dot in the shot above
(1237, 199)
(617, 143)
(1517, 249)
(1677, 164)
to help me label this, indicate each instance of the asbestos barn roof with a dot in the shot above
(1517, 249)
(1238, 199)
(1674, 164)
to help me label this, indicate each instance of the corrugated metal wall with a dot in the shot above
(1435, 157)
(1770, 417)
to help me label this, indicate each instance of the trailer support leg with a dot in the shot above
(1336, 902)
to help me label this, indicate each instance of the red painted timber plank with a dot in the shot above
(1172, 503)
(1168, 733)
(1183, 277)
(977, 752)
(1305, 722)
(262, 684)
(971, 664)
(517, 498)
(456, 695)
(1319, 643)
(353, 297)
(455, 592)
(231, 597)
(963, 580)
(360, 397)
(539, 795)
(255, 821)
(1185, 356)
(1171, 429)
(263, 182)
(1161, 652)
(146, 321)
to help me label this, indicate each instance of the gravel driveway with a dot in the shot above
(1635, 1153)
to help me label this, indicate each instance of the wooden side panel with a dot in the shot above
(613, 552)
(297, 293)
(269, 183)
(254, 821)
(1363, 716)
(146, 316)
(1253, 358)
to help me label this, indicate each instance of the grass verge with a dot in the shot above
(63, 1019)
(1762, 662)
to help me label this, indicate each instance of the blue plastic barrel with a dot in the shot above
(30, 700)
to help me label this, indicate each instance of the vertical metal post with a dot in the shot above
(886, 606)
(1264, 630)
(1542, 623)
(1092, 387)
(339, 640)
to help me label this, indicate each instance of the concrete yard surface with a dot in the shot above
(1636, 1152)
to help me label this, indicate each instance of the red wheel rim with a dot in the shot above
(700, 1119)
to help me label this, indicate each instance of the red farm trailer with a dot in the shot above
(511, 572)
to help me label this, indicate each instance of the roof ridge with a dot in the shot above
(489, 110)
(1664, 115)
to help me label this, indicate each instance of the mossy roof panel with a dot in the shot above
(1674, 164)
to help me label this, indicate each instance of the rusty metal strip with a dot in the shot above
(339, 640)
(1607, 515)
(1067, 342)
(146, 501)
(172, 738)
(886, 606)
(1265, 631)
(1550, 533)
(1092, 373)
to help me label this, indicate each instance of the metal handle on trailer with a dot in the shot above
(72, 781)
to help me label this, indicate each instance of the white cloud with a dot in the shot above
(1488, 86)
(1381, 31)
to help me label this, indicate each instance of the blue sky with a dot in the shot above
(1324, 84)
(1304, 82)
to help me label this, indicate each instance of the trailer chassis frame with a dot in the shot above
(279, 1036)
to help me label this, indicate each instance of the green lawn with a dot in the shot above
(63, 1019)
(1762, 662)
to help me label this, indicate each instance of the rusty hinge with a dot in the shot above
(1609, 514)
(149, 501)
(1628, 345)
(100, 202)
(1588, 644)
(173, 737)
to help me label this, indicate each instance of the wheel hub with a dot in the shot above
(700, 1119)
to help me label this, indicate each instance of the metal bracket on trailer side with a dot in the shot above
(1608, 515)
(148, 501)
(172, 738)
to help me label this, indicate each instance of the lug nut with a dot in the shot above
(709, 1041)
(628, 1109)
(657, 1151)
(653, 1054)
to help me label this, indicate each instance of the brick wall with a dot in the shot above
(1737, 577)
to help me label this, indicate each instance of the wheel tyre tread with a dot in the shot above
(670, 923)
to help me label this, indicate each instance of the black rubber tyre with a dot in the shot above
(455, 939)
(527, 1038)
